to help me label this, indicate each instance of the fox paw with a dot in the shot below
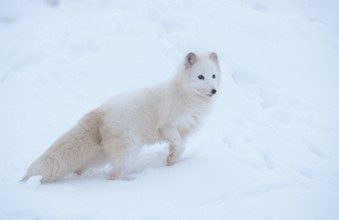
(79, 172)
(172, 159)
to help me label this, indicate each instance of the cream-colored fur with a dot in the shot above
(114, 132)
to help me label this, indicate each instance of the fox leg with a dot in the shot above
(96, 161)
(121, 155)
(176, 144)
(121, 159)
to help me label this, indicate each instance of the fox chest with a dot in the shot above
(189, 119)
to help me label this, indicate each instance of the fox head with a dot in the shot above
(201, 75)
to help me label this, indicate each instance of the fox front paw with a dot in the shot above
(79, 172)
(172, 159)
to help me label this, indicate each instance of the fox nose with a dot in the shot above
(213, 91)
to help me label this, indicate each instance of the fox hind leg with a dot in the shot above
(121, 155)
(98, 160)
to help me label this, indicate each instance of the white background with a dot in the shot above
(268, 151)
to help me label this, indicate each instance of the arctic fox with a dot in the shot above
(114, 132)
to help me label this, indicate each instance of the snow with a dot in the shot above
(268, 151)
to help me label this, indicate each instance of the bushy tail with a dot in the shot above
(45, 166)
(70, 151)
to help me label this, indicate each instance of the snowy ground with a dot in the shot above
(269, 150)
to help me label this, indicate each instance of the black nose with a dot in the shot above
(213, 91)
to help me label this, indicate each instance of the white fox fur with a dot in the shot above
(114, 132)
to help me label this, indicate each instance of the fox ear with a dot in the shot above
(191, 58)
(214, 57)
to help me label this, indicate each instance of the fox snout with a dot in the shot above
(212, 92)
(207, 92)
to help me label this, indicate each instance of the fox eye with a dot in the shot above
(213, 76)
(201, 77)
